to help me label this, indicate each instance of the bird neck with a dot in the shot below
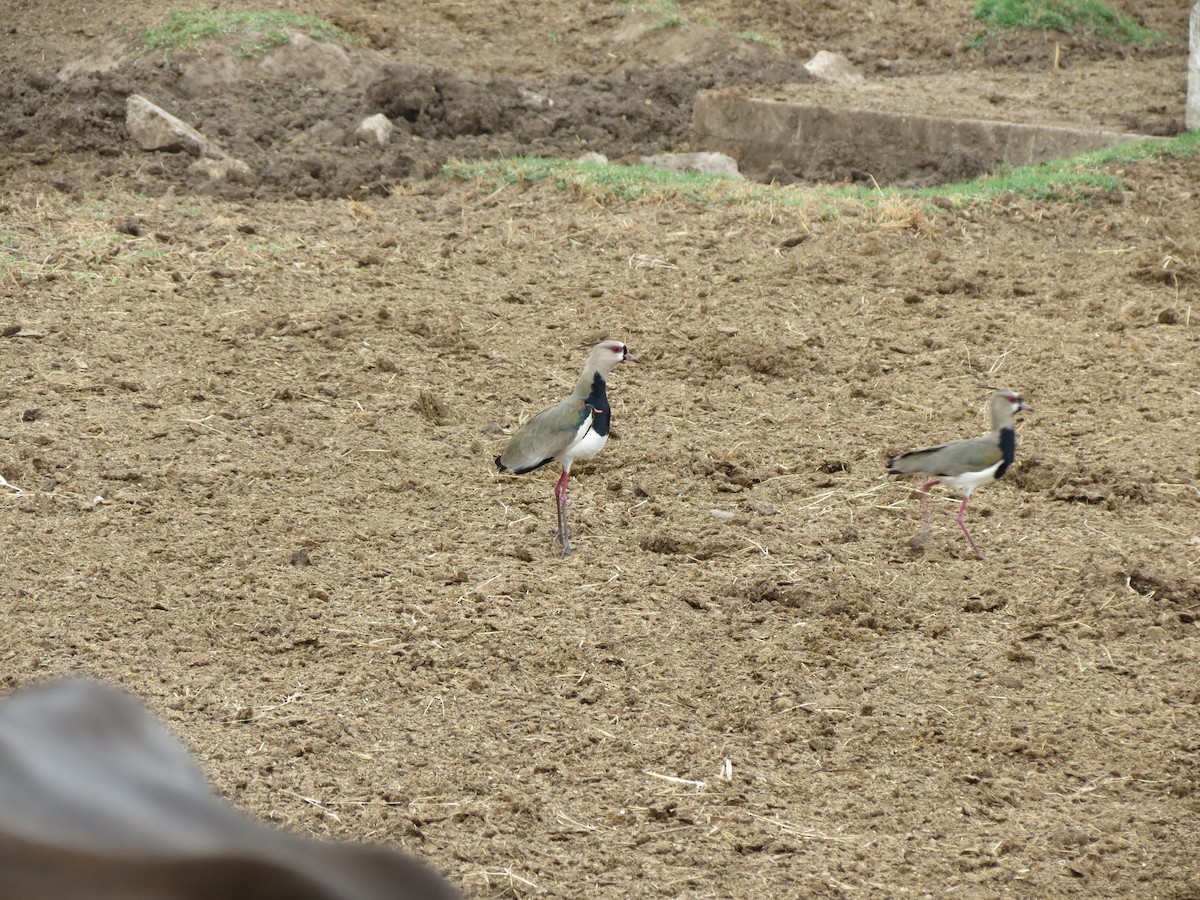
(1002, 418)
(594, 392)
(583, 387)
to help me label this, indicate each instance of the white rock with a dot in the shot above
(225, 169)
(592, 157)
(704, 163)
(535, 101)
(153, 128)
(832, 67)
(377, 128)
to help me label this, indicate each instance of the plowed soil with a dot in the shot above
(252, 423)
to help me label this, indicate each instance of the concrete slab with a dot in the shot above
(820, 142)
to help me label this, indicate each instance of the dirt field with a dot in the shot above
(254, 425)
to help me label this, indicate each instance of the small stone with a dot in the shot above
(700, 163)
(227, 169)
(153, 128)
(833, 68)
(535, 101)
(377, 128)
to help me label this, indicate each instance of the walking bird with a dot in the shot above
(970, 464)
(574, 428)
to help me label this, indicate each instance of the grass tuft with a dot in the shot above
(665, 13)
(757, 37)
(187, 29)
(1068, 16)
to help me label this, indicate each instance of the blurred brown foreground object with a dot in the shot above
(98, 800)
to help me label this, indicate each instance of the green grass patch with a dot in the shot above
(757, 37)
(1068, 16)
(665, 13)
(260, 31)
(600, 179)
(1073, 179)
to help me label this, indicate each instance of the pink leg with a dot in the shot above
(925, 499)
(962, 511)
(560, 495)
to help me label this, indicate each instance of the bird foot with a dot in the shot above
(565, 541)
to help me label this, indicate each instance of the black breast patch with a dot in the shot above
(1008, 446)
(598, 401)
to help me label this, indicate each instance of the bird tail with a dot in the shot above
(906, 463)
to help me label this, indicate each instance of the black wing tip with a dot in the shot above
(501, 467)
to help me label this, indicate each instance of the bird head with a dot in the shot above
(606, 354)
(1010, 400)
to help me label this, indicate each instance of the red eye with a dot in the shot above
(617, 349)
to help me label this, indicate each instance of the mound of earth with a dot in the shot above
(622, 87)
(291, 112)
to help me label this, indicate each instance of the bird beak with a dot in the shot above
(629, 358)
(1024, 405)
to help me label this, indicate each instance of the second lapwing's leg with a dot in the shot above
(962, 511)
(925, 488)
(917, 541)
(560, 495)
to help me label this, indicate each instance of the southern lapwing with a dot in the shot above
(575, 428)
(969, 464)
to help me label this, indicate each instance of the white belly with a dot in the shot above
(968, 481)
(587, 444)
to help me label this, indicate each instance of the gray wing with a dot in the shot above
(545, 437)
(954, 458)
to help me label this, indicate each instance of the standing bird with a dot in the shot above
(575, 428)
(968, 464)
